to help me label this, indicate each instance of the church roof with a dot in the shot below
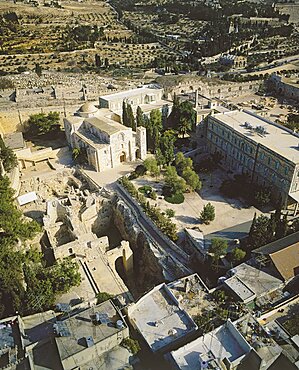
(105, 125)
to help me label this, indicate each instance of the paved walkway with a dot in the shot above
(108, 178)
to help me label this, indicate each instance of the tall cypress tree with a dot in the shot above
(282, 227)
(131, 119)
(139, 117)
(125, 114)
(252, 227)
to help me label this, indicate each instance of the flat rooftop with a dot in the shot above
(224, 342)
(155, 105)
(248, 282)
(130, 93)
(240, 289)
(276, 138)
(81, 326)
(159, 318)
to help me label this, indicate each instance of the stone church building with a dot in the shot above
(106, 141)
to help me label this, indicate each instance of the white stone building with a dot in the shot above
(106, 141)
(147, 98)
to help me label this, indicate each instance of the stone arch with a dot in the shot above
(191, 88)
(122, 157)
(137, 153)
(219, 91)
(182, 91)
(240, 88)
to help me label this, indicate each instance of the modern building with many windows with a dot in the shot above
(266, 151)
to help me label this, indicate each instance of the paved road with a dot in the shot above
(159, 242)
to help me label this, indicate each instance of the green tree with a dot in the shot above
(238, 255)
(218, 249)
(154, 128)
(176, 183)
(41, 123)
(38, 70)
(131, 344)
(208, 213)
(131, 119)
(293, 122)
(103, 297)
(125, 118)
(7, 157)
(98, 61)
(191, 179)
(152, 167)
(173, 119)
(184, 126)
(182, 163)
(259, 232)
(139, 117)
(183, 117)
(167, 140)
(282, 227)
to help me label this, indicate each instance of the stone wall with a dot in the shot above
(147, 265)
(217, 90)
(14, 119)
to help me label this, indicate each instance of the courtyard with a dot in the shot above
(229, 212)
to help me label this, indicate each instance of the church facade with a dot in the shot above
(106, 142)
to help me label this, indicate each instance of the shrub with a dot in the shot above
(131, 344)
(170, 212)
(153, 195)
(140, 170)
(103, 297)
(133, 176)
(145, 189)
(176, 198)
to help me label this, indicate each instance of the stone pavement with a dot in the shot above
(108, 177)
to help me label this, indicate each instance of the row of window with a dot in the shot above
(247, 148)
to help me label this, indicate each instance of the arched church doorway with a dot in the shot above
(122, 157)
